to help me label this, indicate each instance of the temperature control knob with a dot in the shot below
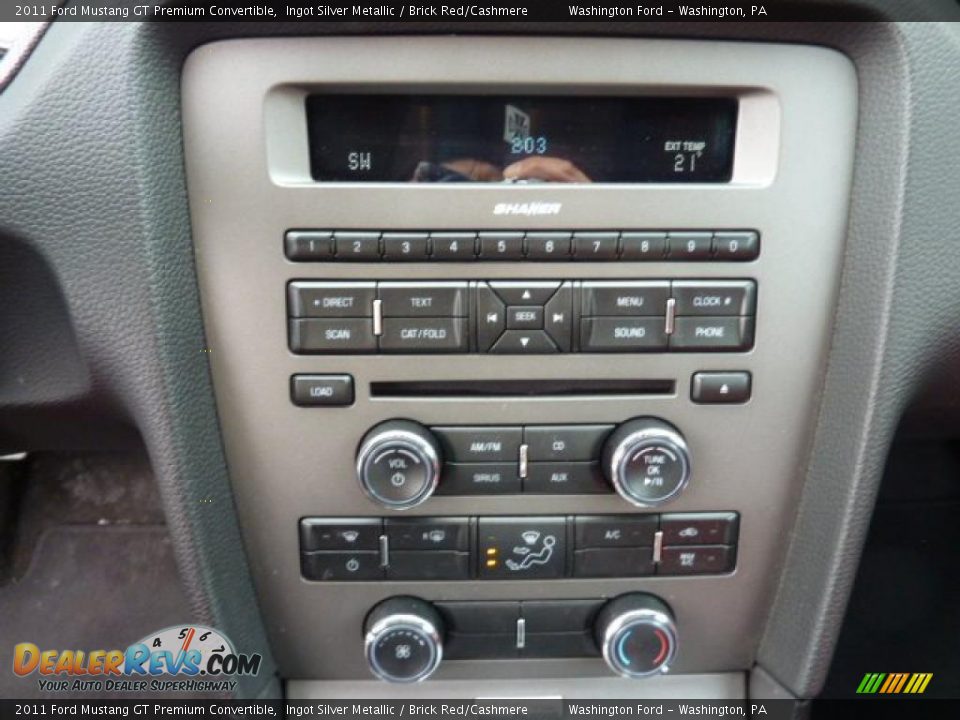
(398, 464)
(403, 640)
(637, 635)
(647, 461)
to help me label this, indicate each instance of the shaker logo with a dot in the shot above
(531, 208)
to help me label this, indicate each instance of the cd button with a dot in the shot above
(560, 443)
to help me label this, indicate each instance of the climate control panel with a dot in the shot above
(542, 547)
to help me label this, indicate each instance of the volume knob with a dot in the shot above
(647, 461)
(398, 464)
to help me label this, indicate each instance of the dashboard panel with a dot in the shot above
(352, 344)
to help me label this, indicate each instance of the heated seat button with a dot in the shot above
(501, 246)
(696, 560)
(331, 299)
(724, 297)
(424, 335)
(341, 565)
(625, 298)
(339, 533)
(409, 247)
(521, 548)
(615, 334)
(699, 528)
(565, 442)
(613, 562)
(308, 245)
(720, 387)
(595, 246)
(690, 245)
(447, 533)
(548, 246)
(712, 333)
(640, 246)
(479, 479)
(321, 390)
(737, 245)
(604, 531)
(427, 299)
(565, 478)
(357, 246)
(454, 246)
(428, 565)
(344, 335)
(480, 444)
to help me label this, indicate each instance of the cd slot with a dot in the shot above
(520, 388)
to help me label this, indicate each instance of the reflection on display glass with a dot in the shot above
(449, 138)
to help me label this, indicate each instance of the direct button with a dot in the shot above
(424, 335)
(427, 299)
(625, 298)
(480, 444)
(321, 390)
(560, 443)
(727, 297)
(331, 299)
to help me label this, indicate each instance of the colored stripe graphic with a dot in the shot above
(894, 683)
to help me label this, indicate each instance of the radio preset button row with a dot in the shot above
(512, 245)
(517, 548)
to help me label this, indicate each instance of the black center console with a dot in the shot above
(496, 385)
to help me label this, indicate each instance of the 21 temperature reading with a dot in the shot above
(528, 145)
(686, 153)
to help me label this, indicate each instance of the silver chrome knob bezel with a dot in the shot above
(648, 437)
(412, 623)
(628, 621)
(411, 441)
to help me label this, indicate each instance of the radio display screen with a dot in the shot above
(514, 139)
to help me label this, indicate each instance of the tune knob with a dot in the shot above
(403, 640)
(647, 461)
(637, 635)
(398, 464)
